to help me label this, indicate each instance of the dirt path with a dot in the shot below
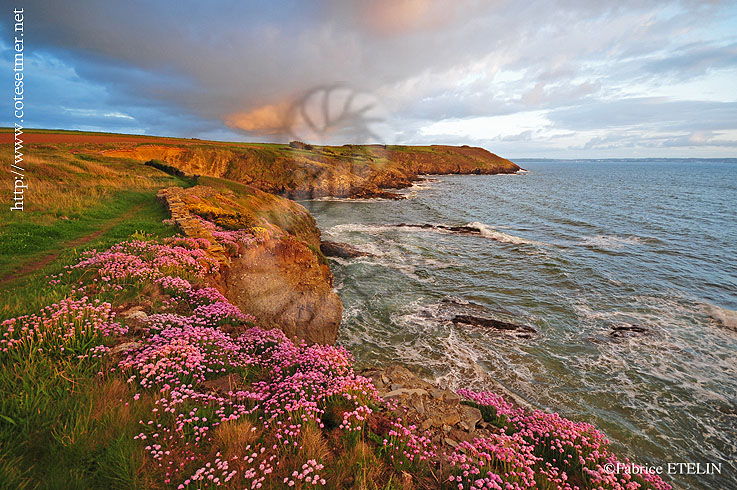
(33, 264)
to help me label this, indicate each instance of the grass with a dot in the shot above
(66, 181)
(30, 292)
(71, 420)
(23, 240)
(63, 424)
(77, 199)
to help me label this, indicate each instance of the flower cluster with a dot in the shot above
(295, 385)
(231, 239)
(536, 448)
(68, 327)
(309, 474)
(406, 447)
(138, 260)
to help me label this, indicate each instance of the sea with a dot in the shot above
(625, 269)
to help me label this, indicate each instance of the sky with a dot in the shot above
(537, 79)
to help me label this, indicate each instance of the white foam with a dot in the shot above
(485, 231)
(489, 232)
(611, 242)
(726, 317)
(360, 228)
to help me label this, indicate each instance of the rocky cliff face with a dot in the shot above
(342, 171)
(281, 278)
(284, 285)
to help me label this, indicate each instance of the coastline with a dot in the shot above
(238, 318)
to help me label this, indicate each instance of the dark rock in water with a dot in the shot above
(465, 230)
(342, 250)
(492, 323)
(622, 330)
(462, 230)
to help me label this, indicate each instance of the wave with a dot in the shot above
(489, 232)
(615, 242)
(474, 228)
(726, 317)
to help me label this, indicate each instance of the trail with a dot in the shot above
(34, 264)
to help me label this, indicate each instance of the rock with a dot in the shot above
(283, 284)
(417, 404)
(125, 347)
(135, 313)
(470, 416)
(405, 392)
(437, 393)
(225, 384)
(451, 396)
(434, 410)
(341, 250)
(477, 321)
(340, 172)
(619, 331)
(461, 435)
(460, 230)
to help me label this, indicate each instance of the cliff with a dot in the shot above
(304, 171)
(281, 277)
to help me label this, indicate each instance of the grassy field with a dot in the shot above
(72, 194)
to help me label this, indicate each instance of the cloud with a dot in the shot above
(268, 119)
(695, 59)
(235, 68)
(648, 113)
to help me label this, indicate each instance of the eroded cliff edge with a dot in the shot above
(302, 171)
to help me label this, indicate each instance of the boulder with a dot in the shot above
(619, 331)
(477, 321)
(430, 407)
(342, 250)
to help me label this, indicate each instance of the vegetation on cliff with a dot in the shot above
(126, 363)
(293, 170)
(185, 391)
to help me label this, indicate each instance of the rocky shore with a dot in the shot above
(178, 362)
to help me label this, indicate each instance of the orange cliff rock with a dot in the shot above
(341, 171)
(282, 280)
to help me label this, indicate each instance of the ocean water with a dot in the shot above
(574, 249)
